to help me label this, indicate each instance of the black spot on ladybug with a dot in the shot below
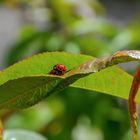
(58, 69)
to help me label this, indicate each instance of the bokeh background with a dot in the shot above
(93, 27)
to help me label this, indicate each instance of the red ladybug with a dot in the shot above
(58, 69)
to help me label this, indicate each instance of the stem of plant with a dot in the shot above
(133, 105)
(1, 130)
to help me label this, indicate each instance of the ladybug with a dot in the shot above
(58, 69)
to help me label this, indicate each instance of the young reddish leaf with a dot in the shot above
(119, 57)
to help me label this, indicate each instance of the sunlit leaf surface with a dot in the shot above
(28, 82)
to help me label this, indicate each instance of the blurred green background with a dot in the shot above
(92, 27)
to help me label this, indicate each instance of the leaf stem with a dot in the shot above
(133, 104)
(1, 130)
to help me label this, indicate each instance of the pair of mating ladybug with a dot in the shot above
(58, 69)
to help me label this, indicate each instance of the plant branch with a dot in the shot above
(133, 104)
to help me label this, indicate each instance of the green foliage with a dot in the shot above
(74, 27)
(32, 78)
(33, 82)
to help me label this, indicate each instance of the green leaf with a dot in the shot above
(113, 81)
(28, 82)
